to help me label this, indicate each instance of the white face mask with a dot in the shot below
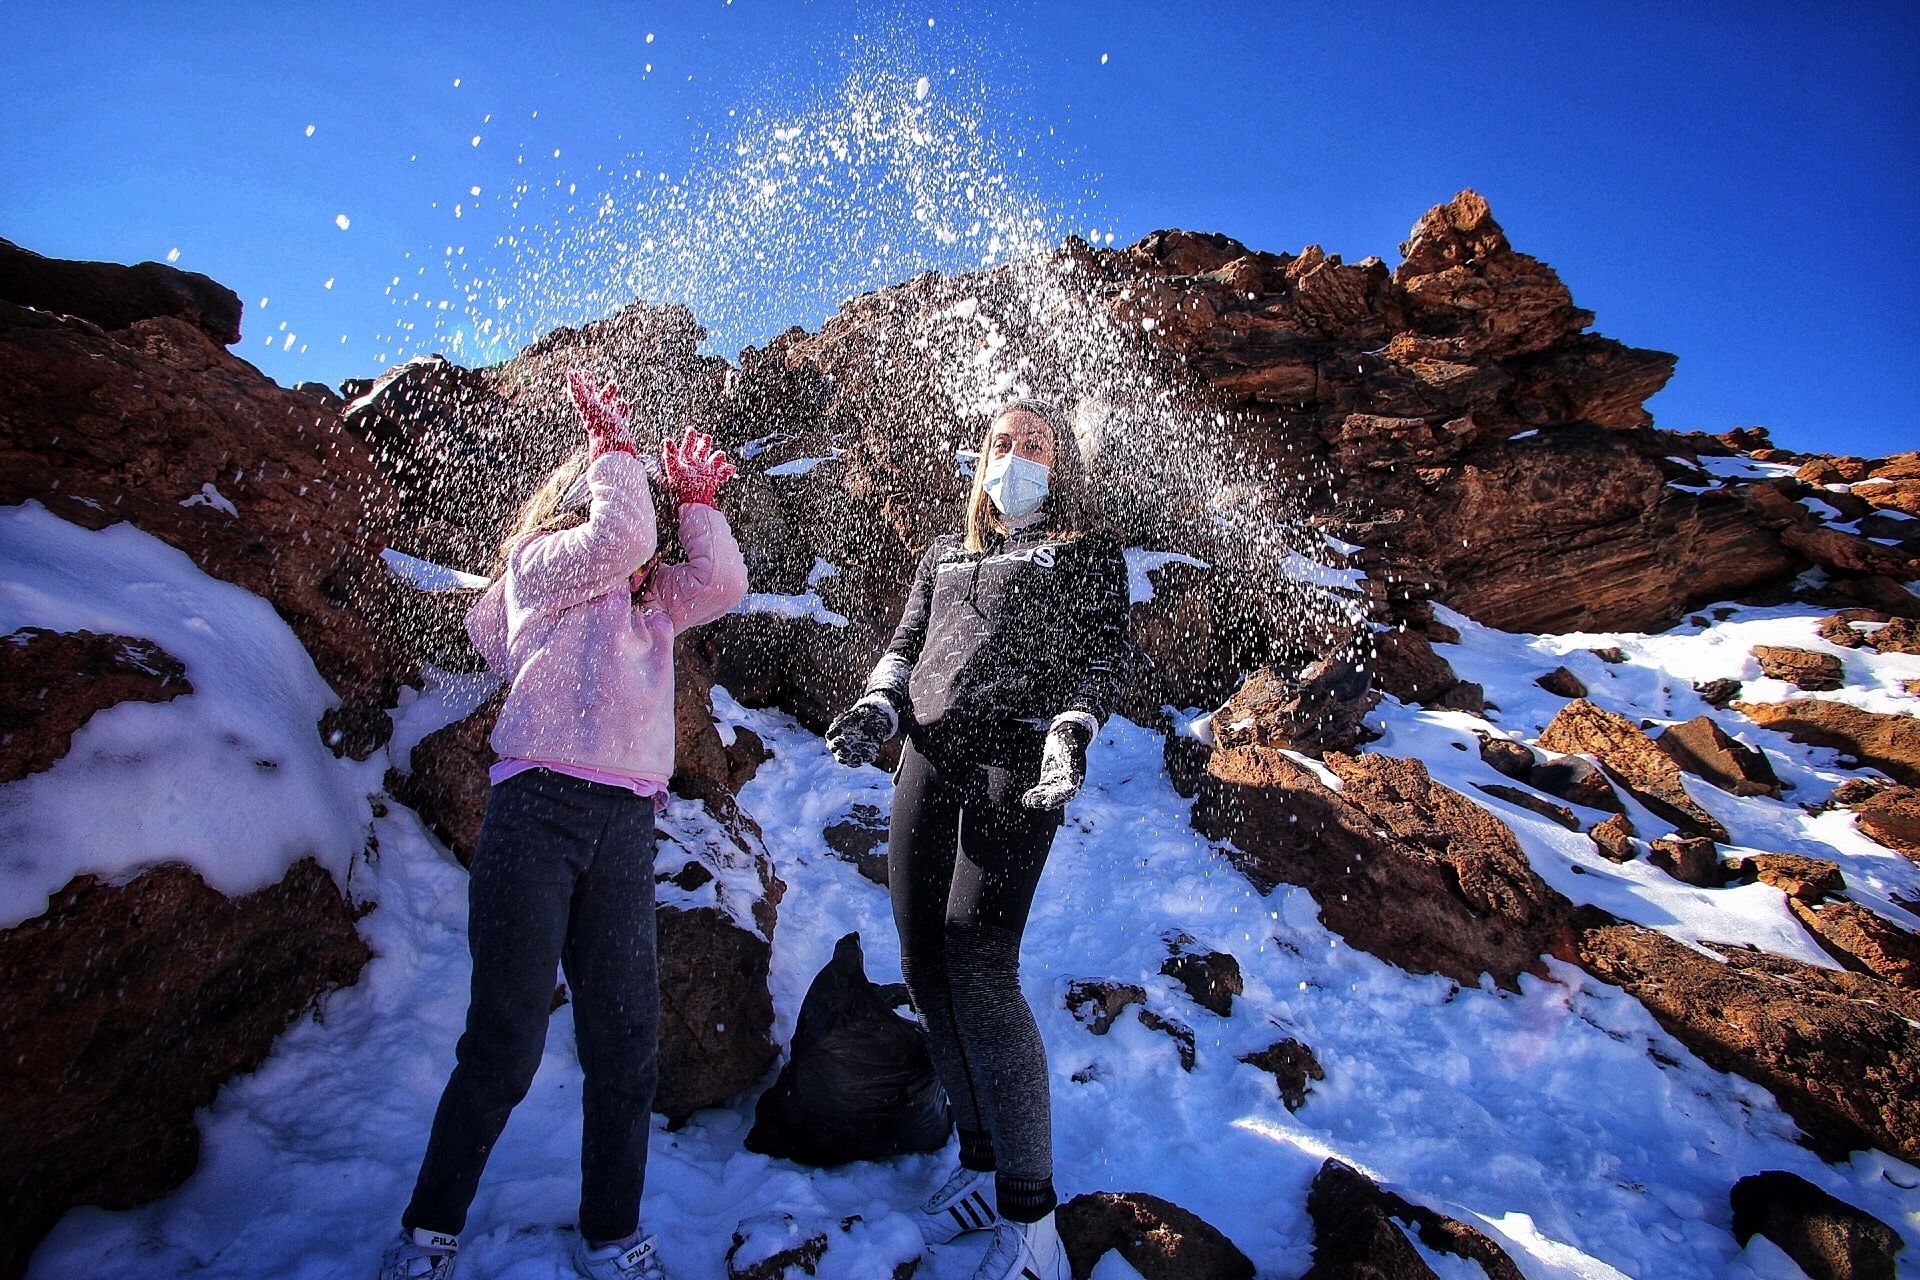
(1016, 485)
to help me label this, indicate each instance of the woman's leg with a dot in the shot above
(1002, 850)
(613, 970)
(920, 853)
(531, 847)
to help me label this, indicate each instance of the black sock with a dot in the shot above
(1024, 1199)
(976, 1150)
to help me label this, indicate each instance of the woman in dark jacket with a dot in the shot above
(1007, 658)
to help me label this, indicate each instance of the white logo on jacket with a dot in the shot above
(1042, 555)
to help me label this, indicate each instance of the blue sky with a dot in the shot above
(1733, 183)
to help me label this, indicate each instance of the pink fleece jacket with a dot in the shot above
(591, 672)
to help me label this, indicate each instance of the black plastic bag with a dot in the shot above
(858, 1084)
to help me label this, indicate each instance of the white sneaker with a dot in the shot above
(419, 1255)
(637, 1261)
(963, 1203)
(1025, 1251)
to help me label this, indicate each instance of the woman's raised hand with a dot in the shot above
(603, 413)
(695, 470)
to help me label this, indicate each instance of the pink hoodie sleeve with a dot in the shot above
(572, 566)
(487, 625)
(713, 579)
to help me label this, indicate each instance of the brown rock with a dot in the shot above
(1538, 804)
(1401, 866)
(1832, 469)
(1612, 654)
(156, 424)
(1796, 875)
(52, 682)
(1890, 743)
(1892, 816)
(1705, 750)
(1515, 759)
(1849, 552)
(137, 1001)
(1292, 1065)
(749, 1257)
(1614, 838)
(1687, 858)
(1562, 683)
(1896, 495)
(1210, 978)
(1576, 781)
(1098, 1003)
(1826, 1237)
(716, 1010)
(1809, 670)
(1718, 693)
(1855, 628)
(1155, 1237)
(1357, 1233)
(1632, 760)
(1841, 1051)
(1319, 711)
(1464, 280)
(1862, 940)
(860, 837)
(446, 783)
(115, 297)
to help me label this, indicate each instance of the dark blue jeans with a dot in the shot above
(562, 876)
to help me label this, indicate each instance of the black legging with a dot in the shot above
(964, 860)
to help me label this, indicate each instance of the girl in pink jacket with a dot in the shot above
(581, 623)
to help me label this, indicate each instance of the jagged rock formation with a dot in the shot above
(154, 422)
(1157, 1238)
(127, 1006)
(52, 682)
(1360, 1233)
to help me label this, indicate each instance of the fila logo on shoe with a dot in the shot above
(438, 1241)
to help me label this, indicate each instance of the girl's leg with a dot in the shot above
(530, 849)
(1002, 850)
(920, 853)
(612, 968)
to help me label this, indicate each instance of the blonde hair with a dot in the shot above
(541, 512)
(1065, 510)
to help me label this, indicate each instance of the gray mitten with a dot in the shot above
(1063, 764)
(856, 734)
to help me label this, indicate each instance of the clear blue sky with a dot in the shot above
(1735, 183)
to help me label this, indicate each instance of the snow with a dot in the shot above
(1559, 1118)
(210, 497)
(1142, 564)
(800, 466)
(429, 576)
(233, 779)
(808, 605)
(1738, 467)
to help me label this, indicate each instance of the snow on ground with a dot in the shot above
(1559, 1118)
(231, 779)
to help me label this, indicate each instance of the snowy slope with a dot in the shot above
(1562, 1119)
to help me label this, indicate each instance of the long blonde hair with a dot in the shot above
(541, 512)
(1066, 503)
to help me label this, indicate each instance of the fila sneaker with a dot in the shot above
(420, 1254)
(637, 1258)
(963, 1203)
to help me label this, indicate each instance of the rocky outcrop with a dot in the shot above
(1292, 1065)
(1707, 751)
(52, 682)
(1210, 978)
(1158, 1239)
(1633, 761)
(1318, 711)
(1401, 866)
(1890, 743)
(1892, 816)
(1360, 1233)
(127, 1007)
(111, 296)
(1840, 1051)
(144, 416)
(1814, 672)
(1825, 1236)
(716, 1011)
(1871, 629)
(1796, 875)
(1862, 940)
